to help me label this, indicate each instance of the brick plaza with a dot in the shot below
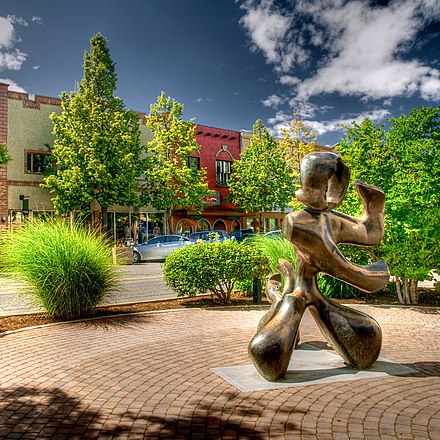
(149, 376)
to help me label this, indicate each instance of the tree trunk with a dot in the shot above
(413, 291)
(406, 294)
(168, 220)
(399, 291)
(104, 219)
(261, 223)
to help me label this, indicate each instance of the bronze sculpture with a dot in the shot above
(315, 232)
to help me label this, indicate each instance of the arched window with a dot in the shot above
(220, 224)
(235, 226)
(184, 227)
(203, 225)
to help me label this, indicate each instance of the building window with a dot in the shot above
(193, 163)
(37, 162)
(223, 171)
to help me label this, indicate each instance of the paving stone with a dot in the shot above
(150, 376)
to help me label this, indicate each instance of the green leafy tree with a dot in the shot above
(405, 163)
(261, 180)
(97, 147)
(4, 156)
(169, 182)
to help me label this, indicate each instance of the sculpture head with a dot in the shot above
(324, 181)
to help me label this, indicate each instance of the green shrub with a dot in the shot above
(213, 267)
(69, 269)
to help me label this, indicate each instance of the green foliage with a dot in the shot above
(333, 288)
(213, 267)
(97, 147)
(69, 269)
(4, 156)
(260, 180)
(169, 181)
(405, 163)
(274, 247)
(298, 141)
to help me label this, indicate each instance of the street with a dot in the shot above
(139, 282)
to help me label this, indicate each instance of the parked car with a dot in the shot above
(158, 248)
(241, 234)
(210, 235)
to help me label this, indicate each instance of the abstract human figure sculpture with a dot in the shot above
(315, 232)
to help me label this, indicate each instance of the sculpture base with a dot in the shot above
(309, 366)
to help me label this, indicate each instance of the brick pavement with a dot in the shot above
(148, 376)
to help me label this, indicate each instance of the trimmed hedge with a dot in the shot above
(214, 268)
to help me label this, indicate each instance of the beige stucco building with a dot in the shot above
(26, 129)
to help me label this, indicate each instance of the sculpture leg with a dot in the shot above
(273, 289)
(356, 336)
(271, 348)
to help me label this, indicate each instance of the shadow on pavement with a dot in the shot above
(51, 413)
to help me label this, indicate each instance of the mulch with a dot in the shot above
(428, 297)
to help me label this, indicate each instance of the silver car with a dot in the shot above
(158, 248)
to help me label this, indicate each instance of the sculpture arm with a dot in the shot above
(364, 231)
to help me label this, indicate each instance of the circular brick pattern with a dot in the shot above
(148, 376)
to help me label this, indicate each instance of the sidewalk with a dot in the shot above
(150, 376)
(139, 282)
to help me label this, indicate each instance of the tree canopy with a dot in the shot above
(405, 162)
(298, 140)
(169, 180)
(97, 148)
(261, 179)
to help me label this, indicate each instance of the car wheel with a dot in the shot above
(136, 257)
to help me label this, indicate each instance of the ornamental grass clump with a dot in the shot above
(68, 269)
(274, 247)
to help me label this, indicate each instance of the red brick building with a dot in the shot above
(219, 149)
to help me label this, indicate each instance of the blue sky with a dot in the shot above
(232, 62)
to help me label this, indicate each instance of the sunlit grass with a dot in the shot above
(70, 269)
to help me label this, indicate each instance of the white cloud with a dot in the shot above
(279, 121)
(273, 101)
(268, 29)
(6, 33)
(359, 49)
(17, 20)
(336, 125)
(11, 58)
(430, 88)
(37, 20)
(200, 99)
(288, 80)
(13, 86)
(35, 67)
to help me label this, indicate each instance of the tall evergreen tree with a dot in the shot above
(261, 180)
(97, 142)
